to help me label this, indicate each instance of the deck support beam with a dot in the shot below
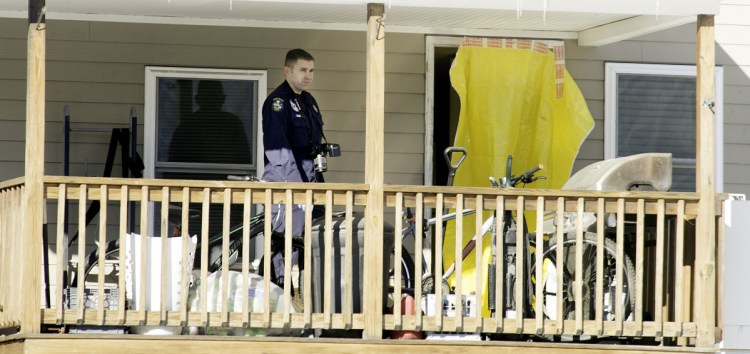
(32, 204)
(705, 310)
(374, 151)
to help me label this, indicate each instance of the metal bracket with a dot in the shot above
(708, 103)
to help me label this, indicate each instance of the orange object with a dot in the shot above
(408, 307)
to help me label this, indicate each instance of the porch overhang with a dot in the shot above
(591, 22)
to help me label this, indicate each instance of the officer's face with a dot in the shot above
(300, 75)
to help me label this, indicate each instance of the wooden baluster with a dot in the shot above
(205, 209)
(348, 307)
(579, 267)
(226, 214)
(659, 286)
(560, 265)
(679, 285)
(186, 266)
(80, 279)
(397, 281)
(60, 249)
(164, 255)
(639, 265)
(246, 213)
(520, 249)
(539, 255)
(479, 266)
(499, 264)
(141, 279)
(102, 261)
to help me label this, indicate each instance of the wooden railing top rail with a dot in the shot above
(180, 183)
(534, 192)
(12, 182)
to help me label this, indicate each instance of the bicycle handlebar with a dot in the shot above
(528, 176)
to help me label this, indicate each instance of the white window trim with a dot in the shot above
(154, 72)
(611, 70)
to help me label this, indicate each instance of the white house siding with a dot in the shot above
(677, 46)
(97, 68)
(733, 52)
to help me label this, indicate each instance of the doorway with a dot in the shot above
(442, 107)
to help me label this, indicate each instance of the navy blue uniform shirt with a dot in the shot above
(292, 126)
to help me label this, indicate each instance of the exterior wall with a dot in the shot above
(677, 46)
(733, 51)
(97, 68)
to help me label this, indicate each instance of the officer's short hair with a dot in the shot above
(295, 54)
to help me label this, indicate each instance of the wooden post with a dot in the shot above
(705, 307)
(374, 148)
(34, 170)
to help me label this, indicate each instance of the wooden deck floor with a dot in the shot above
(111, 344)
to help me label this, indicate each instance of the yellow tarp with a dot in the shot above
(510, 106)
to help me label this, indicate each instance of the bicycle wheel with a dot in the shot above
(407, 275)
(589, 250)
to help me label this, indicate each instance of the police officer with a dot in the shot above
(292, 132)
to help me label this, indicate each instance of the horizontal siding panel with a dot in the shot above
(12, 109)
(737, 153)
(13, 168)
(623, 51)
(317, 40)
(13, 69)
(94, 92)
(585, 69)
(679, 34)
(738, 14)
(736, 173)
(735, 54)
(14, 28)
(121, 73)
(13, 89)
(737, 113)
(394, 142)
(13, 48)
(90, 112)
(737, 75)
(732, 34)
(115, 32)
(355, 81)
(389, 178)
(669, 53)
(736, 94)
(345, 121)
(394, 162)
(591, 89)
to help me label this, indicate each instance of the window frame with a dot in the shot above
(611, 72)
(153, 73)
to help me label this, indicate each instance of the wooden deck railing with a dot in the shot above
(11, 231)
(653, 229)
(658, 241)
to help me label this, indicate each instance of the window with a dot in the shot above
(651, 108)
(202, 123)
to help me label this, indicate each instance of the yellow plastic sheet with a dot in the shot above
(511, 105)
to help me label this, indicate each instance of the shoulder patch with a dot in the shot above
(278, 104)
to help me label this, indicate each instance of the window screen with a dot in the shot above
(656, 113)
(203, 121)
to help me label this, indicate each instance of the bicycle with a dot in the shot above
(256, 224)
(509, 231)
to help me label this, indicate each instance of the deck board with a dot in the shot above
(113, 344)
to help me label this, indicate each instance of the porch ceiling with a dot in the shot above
(592, 22)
